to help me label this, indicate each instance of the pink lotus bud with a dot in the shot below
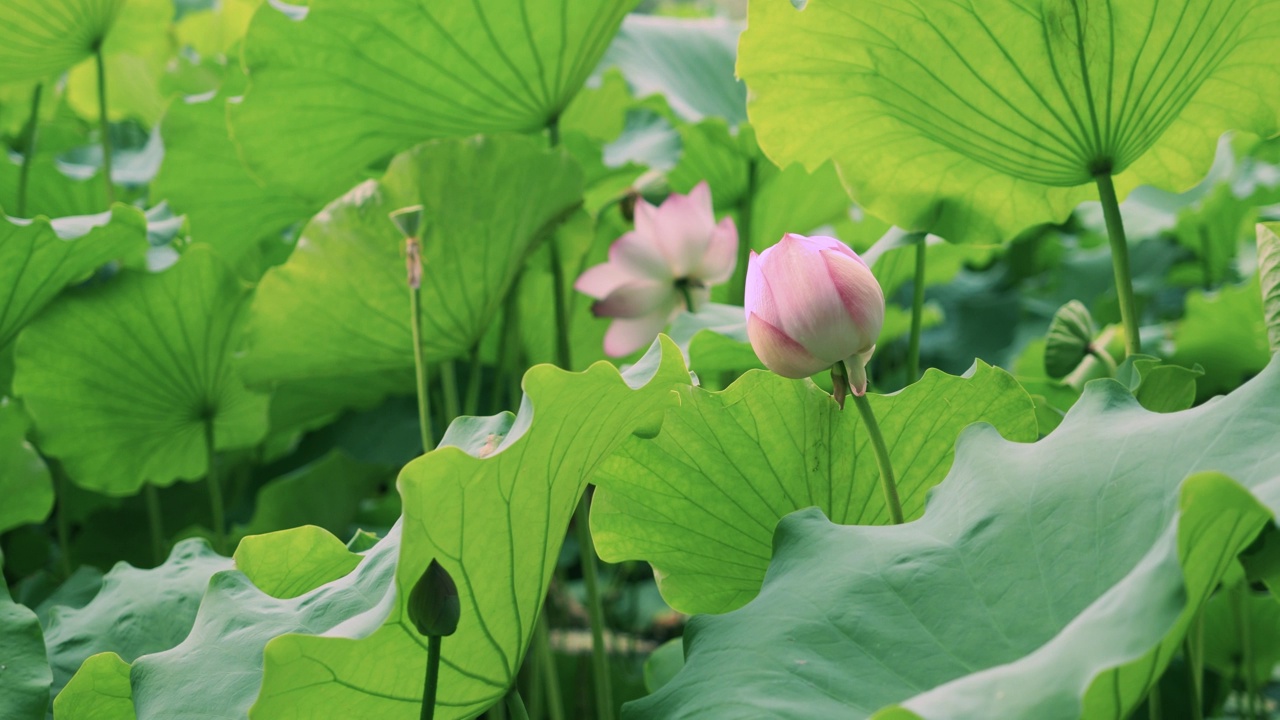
(668, 264)
(812, 303)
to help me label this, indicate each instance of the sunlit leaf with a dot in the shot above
(974, 122)
(121, 380)
(700, 501)
(1269, 277)
(1052, 580)
(25, 483)
(288, 563)
(42, 38)
(98, 691)
(1223, 332)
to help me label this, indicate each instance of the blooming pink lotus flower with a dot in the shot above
(667, 264)
(812, 303)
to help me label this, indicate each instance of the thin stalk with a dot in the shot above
(216, 510)
(515, 705)
(917, 312)
(1192, 647)
(595, 609)
(413, 260)
(33, 131)
(449, 388)
(1246, 650)
(563, 353)
(688, 298)
(104, 124)
(60, 519)
(550, 672)
(738, 290)
(887, 482)
(431, 683)
(509, 351)
(1120, 262)
(155, 521)
(471, 405)
(1154, 710)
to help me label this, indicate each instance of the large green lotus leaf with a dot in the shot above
(1050, 580)
(325, 493)
(976, 121)
(700, 501)
(492, 508)
(41, 38)
(136, 612)
(98, 691)
(288, 563)
(1223, 331)
(25, 483)
(688, 62)
(217, 670)
(136, 50)
(40, 257)
(50, 191)
(344, 84)
(24, 671)
(202, 176)
(341, 303)
(121, 381)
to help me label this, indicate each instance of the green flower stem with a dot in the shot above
(33, 131)
(887, 483)
(595, 609)
(1154, 711)
(471, 404)
(738, 289)
(414, 259)
(1120, 262)
(1238, 597)
(155, 521)
(449, 387)
(432, 682)
(917, 311)
(60, 518)
(104, 124)
(688, 298)
(1192, 651)
(563, 353)
(216, 511)
(515, 705)
(549, 674)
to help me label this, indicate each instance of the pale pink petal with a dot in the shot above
(634, 300)
(638, 254)
(717, 265)
(822, 242)
(627, 335)
(600, 280)
(860, 292)
(805, 302)
(780, 353)
(682, 228)
(757, 290)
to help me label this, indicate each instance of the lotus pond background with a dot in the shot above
(215, 491)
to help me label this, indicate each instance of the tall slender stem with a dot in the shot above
(60, 518)
(595, 609)
(217, 513)
(515, 705)
(471, 404)
(104, 124)
(155, 521)
(1154, 709)
(738, 288)
(917, 311)
(449, 388)
(1239, 596)
(1120, 262)
(29, 155)
(431, 684)
(1191, 651)
(509, 350)
(887, 482)
(413, 261)
(564, 356)
(550, 673)
(688, 299)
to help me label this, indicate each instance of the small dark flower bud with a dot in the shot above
(434, 607)
(1069, 338)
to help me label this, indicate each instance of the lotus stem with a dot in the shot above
(887, 482)
(595, 609)
(1120, 262)
(28, 157)
(104, 124)
(917, 311)
(431, 683)
(449, 388)
(738, 290)
(216, 510)
(413, 262)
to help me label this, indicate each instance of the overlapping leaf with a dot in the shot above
(700, 501)
(1052, 580)
(25, 678)
(25, 483)
(41, 38)
(340, 305)
(976, 121)
(343, 84)
(492, 509)
(123, 380)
